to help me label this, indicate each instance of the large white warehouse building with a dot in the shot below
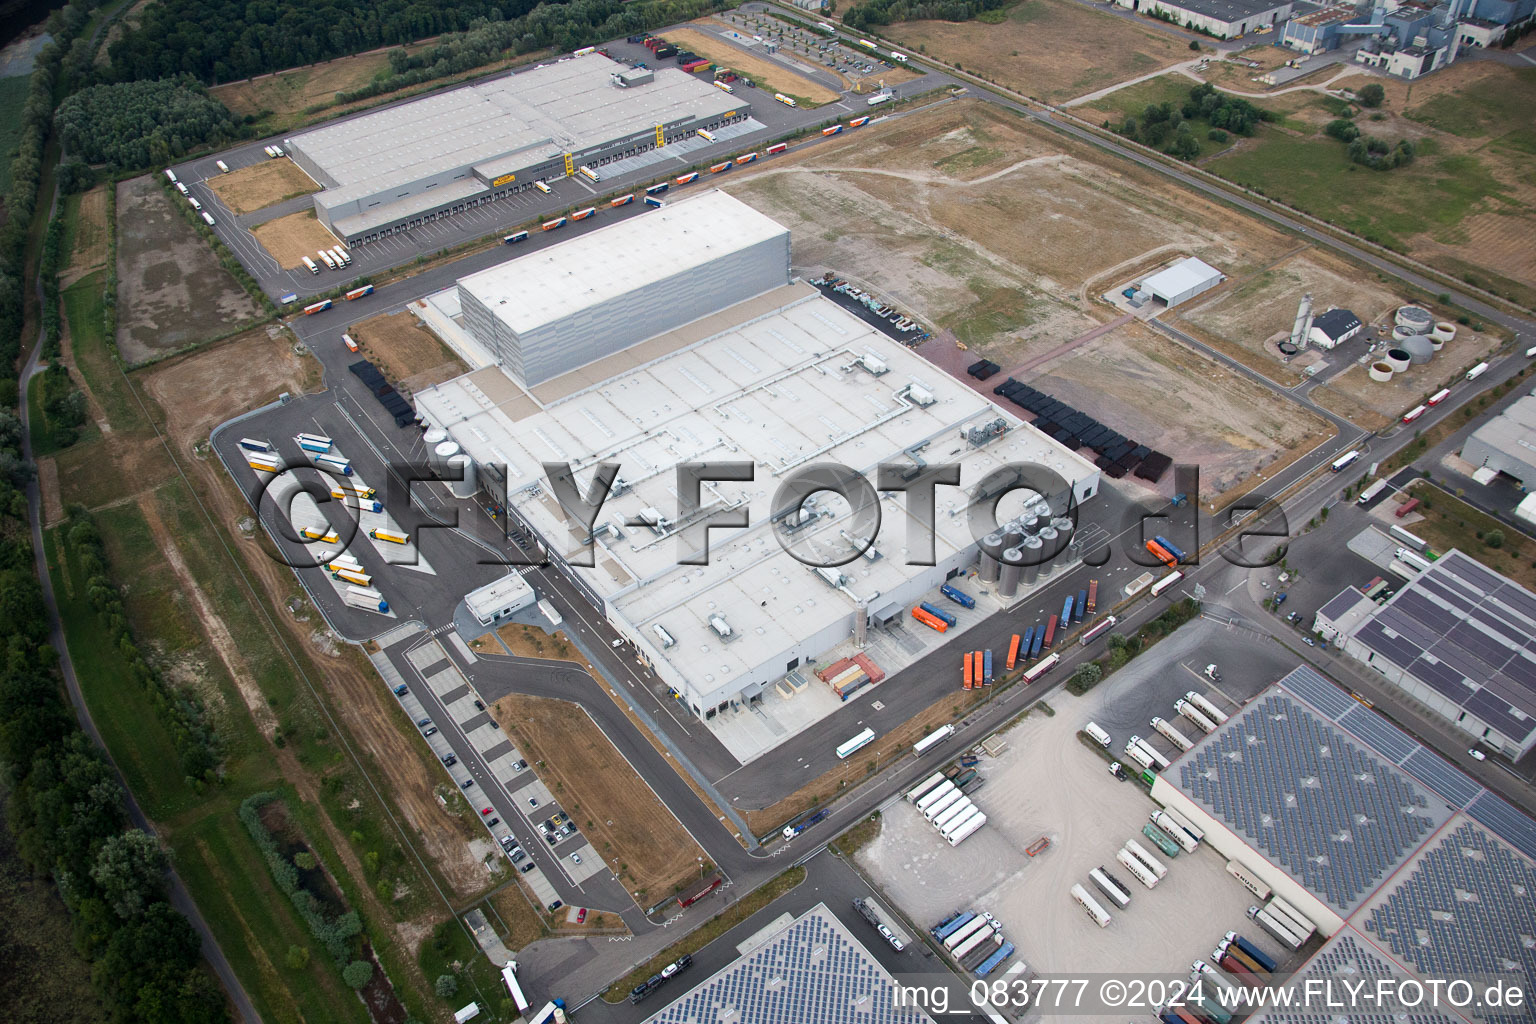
(413, 162)
(749, 367)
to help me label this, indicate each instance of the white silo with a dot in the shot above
(1302, 328)
(439, 455)
(463, 467)
(433, 437)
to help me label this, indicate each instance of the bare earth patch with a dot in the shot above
(288, 239)
(405, 351)
(90, 248)
(768, 74)
(171, 291)
(624, 820)
(258, 186)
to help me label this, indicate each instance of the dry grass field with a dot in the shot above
(768, 74)
(1376, 405)
(627, 823)
(88, 247)
(286, 239)
(260, 185)
(405, 351)
(1052, 50)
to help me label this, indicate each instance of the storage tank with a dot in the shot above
(1401, 334)
(1031, 550)
(1013, 571)
(433, 437)
(1398, 359)
(1419, 347)
(464, 466)
(439, 454)
(1050, 543)
(1442, 333)
(1031, 524)
(1416, 317)
(991, 548)
(1380, 372)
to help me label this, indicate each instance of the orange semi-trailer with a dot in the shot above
(965, 677)
(1013, 651)
(932, 622)
(1093, 595)
(1162, 554)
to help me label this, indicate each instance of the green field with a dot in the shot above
(13, 93)
(1315, 174)
(1488, 108)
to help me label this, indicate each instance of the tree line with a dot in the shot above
(888, 12)
(142, 124)
(562, 27)
(67, 808)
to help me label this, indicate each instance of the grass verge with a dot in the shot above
(708, 932)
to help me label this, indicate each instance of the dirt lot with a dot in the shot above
(171, 291)
(1250, 313)
(1145, 385)
(90, 242)
(988, 228)
(405, 352)
(619, 813)
(1376, 405)
(1049, 49)
(286, 239)
(290, 92)
(260, 185)
(768, 74)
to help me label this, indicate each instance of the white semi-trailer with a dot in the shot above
(1177, 834)
(1169, 730)
(1099, 915)
(1153, 864)
(1195, 715)
(1207, 708)
(1138, 870)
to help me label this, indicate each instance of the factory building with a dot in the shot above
(1406, 867)
(1334, 328)
(1182, 281)
(1410, 38)
(750, 369)
(1507, 443)
(1224, 19)
(417, 161)
(1316, 28)
(552, 311)
(1458, 638)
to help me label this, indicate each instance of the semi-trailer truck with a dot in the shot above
(922, 789)
(1281, 933)
(366, 597)
(1195, 715)
(946, 928)
(1208, 709)
(1157, 758)
(1138, 870)
(1105, 883)
(1160, 840)
(1182, 822)
(962, 934)
(958, 596)
(1171, 829)
(1264, 959)
(1291, 916)
(1250, 881)
(1096, 913)
(967, 829)
(995, 961)
(1175, 737)
(1153, 864)
(1136, 752)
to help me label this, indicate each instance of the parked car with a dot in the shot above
(575, 858)
(424, 722)
(533, 801)
(466, 783)
(1309, 641)
(485, 810)
(581, 916)
(493, 823)
(518, 766)
(450, 760)
(1478, 754)
(479, 706)
(430, 730)
(526, 867)
(401, 691)
(508, 843)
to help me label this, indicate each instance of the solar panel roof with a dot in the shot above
(812, 971)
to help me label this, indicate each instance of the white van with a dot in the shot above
(195, 204)
(208, 217)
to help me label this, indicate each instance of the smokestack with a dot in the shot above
(1302, 328)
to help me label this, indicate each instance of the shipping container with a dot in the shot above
(253, 445)
(717, 168)
(1406, 507)
(658, 189)
(317, 307)
(745, 158)
(357, 293)
(654, 203)
(859, 122)
(550, 225)
(623, 200)
(939, 613)
(835, 129)
(686, 179)
(584, 214)
(1013, 652)
(929, 620)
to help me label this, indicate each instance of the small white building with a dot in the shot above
(1182, 281)
(1334, 328)
(496, 601)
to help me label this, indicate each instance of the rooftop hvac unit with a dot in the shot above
(831, 576)
(721, 627)
(652, 517)
(667, 640)
(986, 433)
(874, 364)
(921, 395)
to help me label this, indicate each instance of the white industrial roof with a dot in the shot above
(493, 597)
(565, 107)
(781, 388)
(1181, 277)
(551, 284)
